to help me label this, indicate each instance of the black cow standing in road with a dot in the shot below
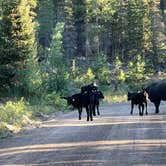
(81, 101)
(88, 98)
(157, 92)
(90, 90)
(96, 96)
(139, 98)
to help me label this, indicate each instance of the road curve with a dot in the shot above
(115, 138)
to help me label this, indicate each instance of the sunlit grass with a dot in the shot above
(115, 96)
(14, 115)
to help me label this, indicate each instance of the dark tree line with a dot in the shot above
(37, 35)
(115, 28)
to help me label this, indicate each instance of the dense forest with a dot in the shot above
(50, 48)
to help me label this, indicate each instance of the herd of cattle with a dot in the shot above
(89, 98)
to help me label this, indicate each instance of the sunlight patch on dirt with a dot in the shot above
(145, 143)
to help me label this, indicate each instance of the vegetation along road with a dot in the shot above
(114, 138)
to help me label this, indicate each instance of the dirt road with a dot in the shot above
(115, 138)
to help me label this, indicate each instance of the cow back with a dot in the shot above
(157, 91)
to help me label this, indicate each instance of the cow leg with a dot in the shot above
(157, 104)
(142, 109)
(90, 114)
(80, 113)
(139, 107)
(97, 106)
(92, 105)
(146, 105)
(132, 107)
(94, 111)
(87, 111)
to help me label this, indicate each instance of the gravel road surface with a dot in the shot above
(115, 138)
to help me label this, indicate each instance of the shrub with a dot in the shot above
(101, 70)
(13, 114)
(55, 100)
(136, 74)
(86, 78)
(118, 76)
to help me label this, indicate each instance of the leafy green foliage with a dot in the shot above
(56, 68)
(13, 115)
(13, 112)
(18, 43)
(45, 22)
(32, 77)
(117, 74)
(139, 32)
(136, 74)
(101, 70)
(88, 77)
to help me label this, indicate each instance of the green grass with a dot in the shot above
(115, 96)
(13, 116)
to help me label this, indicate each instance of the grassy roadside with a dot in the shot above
(115, 97)
(18, 115)
(13, 116)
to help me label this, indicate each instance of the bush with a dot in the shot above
(13, 114)
(112, 96)
(55, 100)
(136, 74)
(118, 76)
(101, 70)
(88, 77)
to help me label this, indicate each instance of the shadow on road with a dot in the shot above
(112, 139)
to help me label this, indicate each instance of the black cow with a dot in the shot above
(90, 89)
(139, 98)
(96, 96)
(157, 92)
(79, 101)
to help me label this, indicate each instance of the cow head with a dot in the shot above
(69, 99)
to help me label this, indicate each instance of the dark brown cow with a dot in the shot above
(139, 98)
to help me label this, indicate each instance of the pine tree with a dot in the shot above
(46, 20)
(56, 68)
(158, 36)
(79, 11)
(18, 46)
(69, 34)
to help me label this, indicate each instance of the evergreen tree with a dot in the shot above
(158, 36)
(18, 46)
(79, 10)
(46, 20)
(56, 68)
(69, 34)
